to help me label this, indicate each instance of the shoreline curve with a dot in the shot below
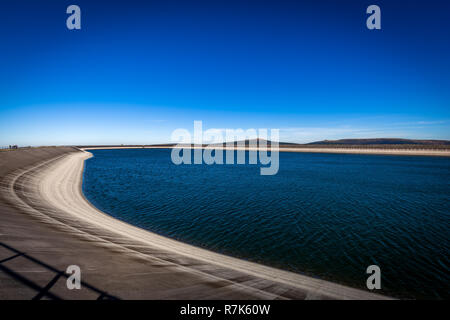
(58, 185)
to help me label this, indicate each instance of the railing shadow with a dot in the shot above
(45, 290)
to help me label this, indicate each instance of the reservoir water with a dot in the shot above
(324, 215)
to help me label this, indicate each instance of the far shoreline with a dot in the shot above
(299, 149)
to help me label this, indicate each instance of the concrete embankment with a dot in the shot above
(429, 152)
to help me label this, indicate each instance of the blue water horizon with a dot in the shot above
(324, 215)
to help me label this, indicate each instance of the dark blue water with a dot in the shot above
(324, 215)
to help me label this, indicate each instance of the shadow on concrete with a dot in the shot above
(44, 291)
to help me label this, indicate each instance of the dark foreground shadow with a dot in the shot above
(44, 291)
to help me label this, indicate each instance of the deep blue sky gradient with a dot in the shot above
(137, 70)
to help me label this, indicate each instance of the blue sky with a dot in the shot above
(137, 70)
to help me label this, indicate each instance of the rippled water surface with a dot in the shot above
(325, 215)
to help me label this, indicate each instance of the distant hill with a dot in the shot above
(257, 142)
(381, 141)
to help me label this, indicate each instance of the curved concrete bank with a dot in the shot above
(54, 223)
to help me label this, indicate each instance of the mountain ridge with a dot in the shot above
(380, 141)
